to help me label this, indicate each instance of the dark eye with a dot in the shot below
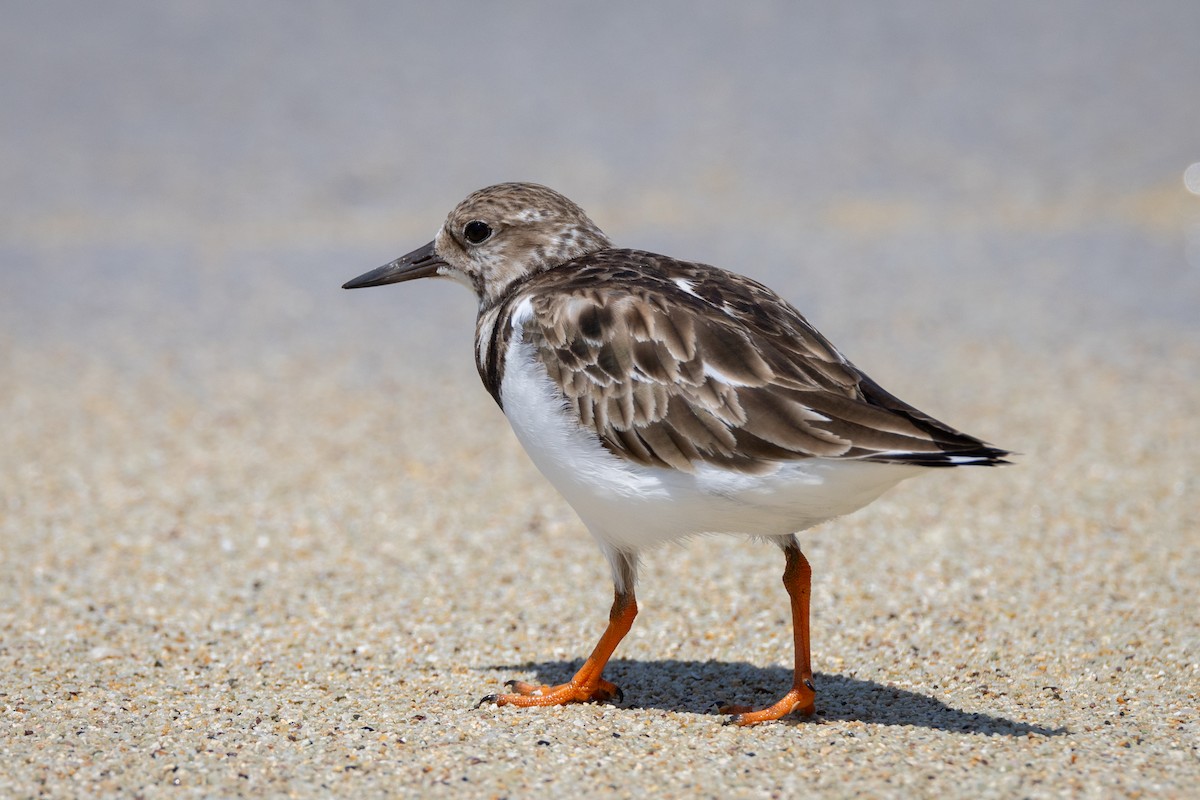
(476, 231)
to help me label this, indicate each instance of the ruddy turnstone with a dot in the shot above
(665, 398)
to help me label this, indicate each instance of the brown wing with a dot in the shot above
(675, 364)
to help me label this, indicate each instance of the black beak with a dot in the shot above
(420, 263)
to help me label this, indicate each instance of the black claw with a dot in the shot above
(619, 697)
(810, 686)
(509, 684)
(731, 720)
(487, 698)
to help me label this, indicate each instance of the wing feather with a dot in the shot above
(723, 372)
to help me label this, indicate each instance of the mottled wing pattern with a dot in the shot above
(675, 364)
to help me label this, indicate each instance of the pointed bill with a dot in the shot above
(420, 263)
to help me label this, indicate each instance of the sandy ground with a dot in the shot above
(283, 582)
(261, 537)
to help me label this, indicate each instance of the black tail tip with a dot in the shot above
(986, 456)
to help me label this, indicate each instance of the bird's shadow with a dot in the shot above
(702, 687)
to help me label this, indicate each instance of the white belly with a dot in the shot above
(631, 506)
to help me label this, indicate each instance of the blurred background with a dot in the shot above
(225, 483)
(187, 173)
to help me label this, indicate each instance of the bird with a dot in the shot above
(666, 399)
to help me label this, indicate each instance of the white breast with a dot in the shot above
(631, 506)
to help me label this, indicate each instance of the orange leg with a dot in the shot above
(797, 579)
(587, 686)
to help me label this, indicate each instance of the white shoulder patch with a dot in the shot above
(521, 314)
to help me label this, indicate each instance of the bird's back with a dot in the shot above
(674, 364)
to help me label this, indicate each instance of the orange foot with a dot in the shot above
(531, 694)
(587, 686)
(800, 698)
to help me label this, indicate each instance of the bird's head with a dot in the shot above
(497, 236)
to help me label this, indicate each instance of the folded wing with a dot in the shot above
(688, 365)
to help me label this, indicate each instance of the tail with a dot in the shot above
(947, 447)
(982, 455)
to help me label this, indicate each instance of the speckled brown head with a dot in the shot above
(497, 236)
